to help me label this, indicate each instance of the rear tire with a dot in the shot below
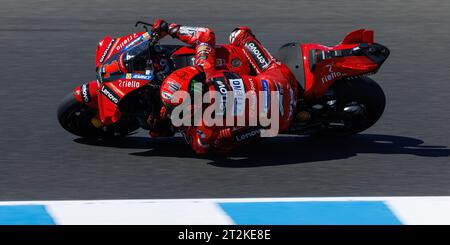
(364, 92)
(75, 118)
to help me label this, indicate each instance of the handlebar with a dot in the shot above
(154, 36)
(144, 24)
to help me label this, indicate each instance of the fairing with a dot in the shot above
(356, 55)
(112, 88)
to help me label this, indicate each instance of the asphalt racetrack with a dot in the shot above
(48, 47)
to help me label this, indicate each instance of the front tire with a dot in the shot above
(75, 118)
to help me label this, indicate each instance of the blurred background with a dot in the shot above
(48, 48)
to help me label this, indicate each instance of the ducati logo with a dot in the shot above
(106, 50)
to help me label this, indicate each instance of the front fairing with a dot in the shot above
(121, 77)
(107, 47)
(132, 59)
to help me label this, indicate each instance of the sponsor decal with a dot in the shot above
(331, 74)
(139, 76)
(129, 84)
(257, 55)
(146, 36)
(239, 96)
(142, 77)
(252, 84)
(167, 95)
(125, 41)
(219, 84)
(266, 96)
(247, 135)
(173, 86)
(203, 47)
(85, 93)
(110, 94)
(190, 31)
(143, 37)
(106, 51)
(233, 35)
(253, 106)
(134, 42)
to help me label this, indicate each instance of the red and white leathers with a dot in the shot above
(271, 75)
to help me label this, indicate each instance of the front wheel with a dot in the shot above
(360, 103)
(76, 117)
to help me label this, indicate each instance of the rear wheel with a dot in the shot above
(360, 102)
(76, 117)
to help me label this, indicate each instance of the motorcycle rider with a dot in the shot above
(271, 75)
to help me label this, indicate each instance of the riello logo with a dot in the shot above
(125, 42)
(129, 84)
(331, 75)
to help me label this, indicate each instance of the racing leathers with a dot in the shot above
(270, 76)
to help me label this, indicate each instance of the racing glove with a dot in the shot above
(163, 28)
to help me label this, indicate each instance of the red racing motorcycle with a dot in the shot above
(336, 97)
